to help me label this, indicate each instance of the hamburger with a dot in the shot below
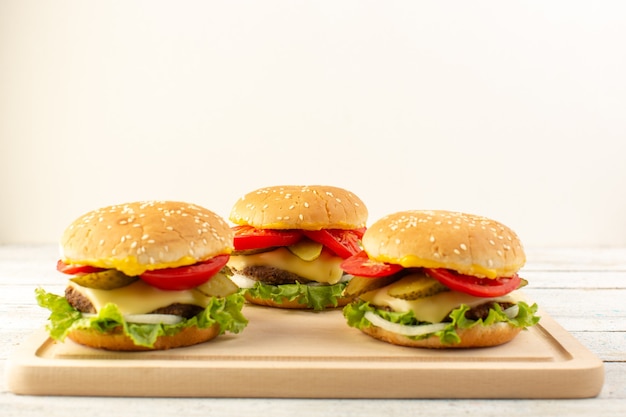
(145, 276)
(290, 241)
(438, 279)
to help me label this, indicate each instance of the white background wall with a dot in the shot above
(514, 110)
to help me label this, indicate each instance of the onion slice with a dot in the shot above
(242, 281)
(146, 318)
(512, 311)
(402, 329)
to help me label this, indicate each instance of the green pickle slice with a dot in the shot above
(104, 280)
(360, 285)
(414, 286)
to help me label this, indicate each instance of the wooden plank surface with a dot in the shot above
(311, 349)
(581, 288)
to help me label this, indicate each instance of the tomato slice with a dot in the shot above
(75, 269)
(248, 237)
(185, 277)
(360, 231)
(344, 243)
(479, 287)
(361, 265)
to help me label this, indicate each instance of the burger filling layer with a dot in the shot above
(324, 269)
(417, 306)
(136, 298)
(435, 308)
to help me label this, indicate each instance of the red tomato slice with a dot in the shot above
(185, 277)
(361, 265)
(76, 269)
(344, 243)
(248, 237)
(479, 287)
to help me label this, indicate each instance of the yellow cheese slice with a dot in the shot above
(140, 298)
(435, 308)
(325, 269)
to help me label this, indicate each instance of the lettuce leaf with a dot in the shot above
(64, 318)
(317, 297)
(354, 313)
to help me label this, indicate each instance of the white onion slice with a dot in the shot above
(402, 329)
(512, 312)
(242, 281)
(346, 278)
(146, 318)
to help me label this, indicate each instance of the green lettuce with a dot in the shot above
(354, 313)
(64, 318)
(317, 297)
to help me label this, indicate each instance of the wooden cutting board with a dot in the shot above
(301, 354)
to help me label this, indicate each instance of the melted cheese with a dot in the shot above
(324, 269)
(140, 298)
(435, 308)
(130, 265)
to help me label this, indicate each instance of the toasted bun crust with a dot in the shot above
(311, 207)
(469, 244)
(477, 336)
(116, 340)
(294, 305)
(146, 235)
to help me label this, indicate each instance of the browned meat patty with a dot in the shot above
(271, 275)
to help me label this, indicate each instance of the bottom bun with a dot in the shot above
(292, 304)
(477, 336)
(116, 340)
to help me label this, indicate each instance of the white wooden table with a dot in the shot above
(583, 289)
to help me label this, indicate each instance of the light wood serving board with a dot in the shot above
(301, 354)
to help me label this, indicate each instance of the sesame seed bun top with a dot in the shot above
(469, 244)
(311, 207)
(146, 235)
